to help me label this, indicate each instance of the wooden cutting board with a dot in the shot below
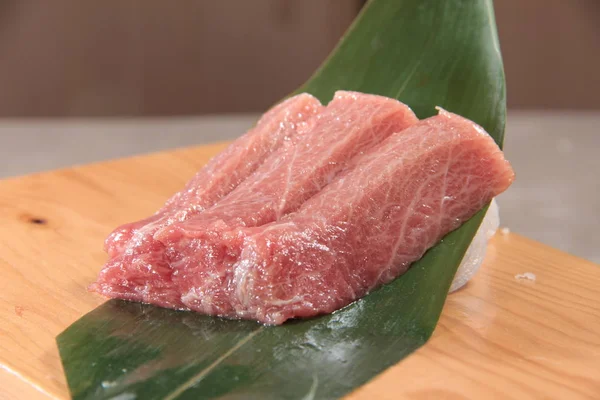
(499, 337)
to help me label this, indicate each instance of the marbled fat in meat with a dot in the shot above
(224, 172)
(308, 250)
(350, 125)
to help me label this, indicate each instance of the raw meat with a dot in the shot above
(224, 172)
(135, 255)
(369, 225)
(351, 124)
(362, 230)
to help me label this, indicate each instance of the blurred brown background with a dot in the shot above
(190, 57)
(184, 59)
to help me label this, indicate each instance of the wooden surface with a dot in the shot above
(499, 337)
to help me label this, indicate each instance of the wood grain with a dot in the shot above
(499, 337)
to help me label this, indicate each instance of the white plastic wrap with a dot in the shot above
(476, 251)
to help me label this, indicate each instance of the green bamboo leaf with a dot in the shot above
(425, 53)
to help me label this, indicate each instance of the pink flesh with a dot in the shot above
(368, 226)
(351, 124)
(361, 231)
(135, 256)
(223, 173)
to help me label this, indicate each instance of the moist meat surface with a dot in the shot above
(369, 225)
(135, 256)
(224, 172)
(324, 234)
(351, 124)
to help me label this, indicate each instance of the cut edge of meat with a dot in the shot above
(277, 317)
(398, 115)
(260, 248)
(294, 111)
(283, 121)
(392, 116)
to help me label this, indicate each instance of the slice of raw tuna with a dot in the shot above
(362, 230)
(224, 172)
(134, 255)
(351, 124)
